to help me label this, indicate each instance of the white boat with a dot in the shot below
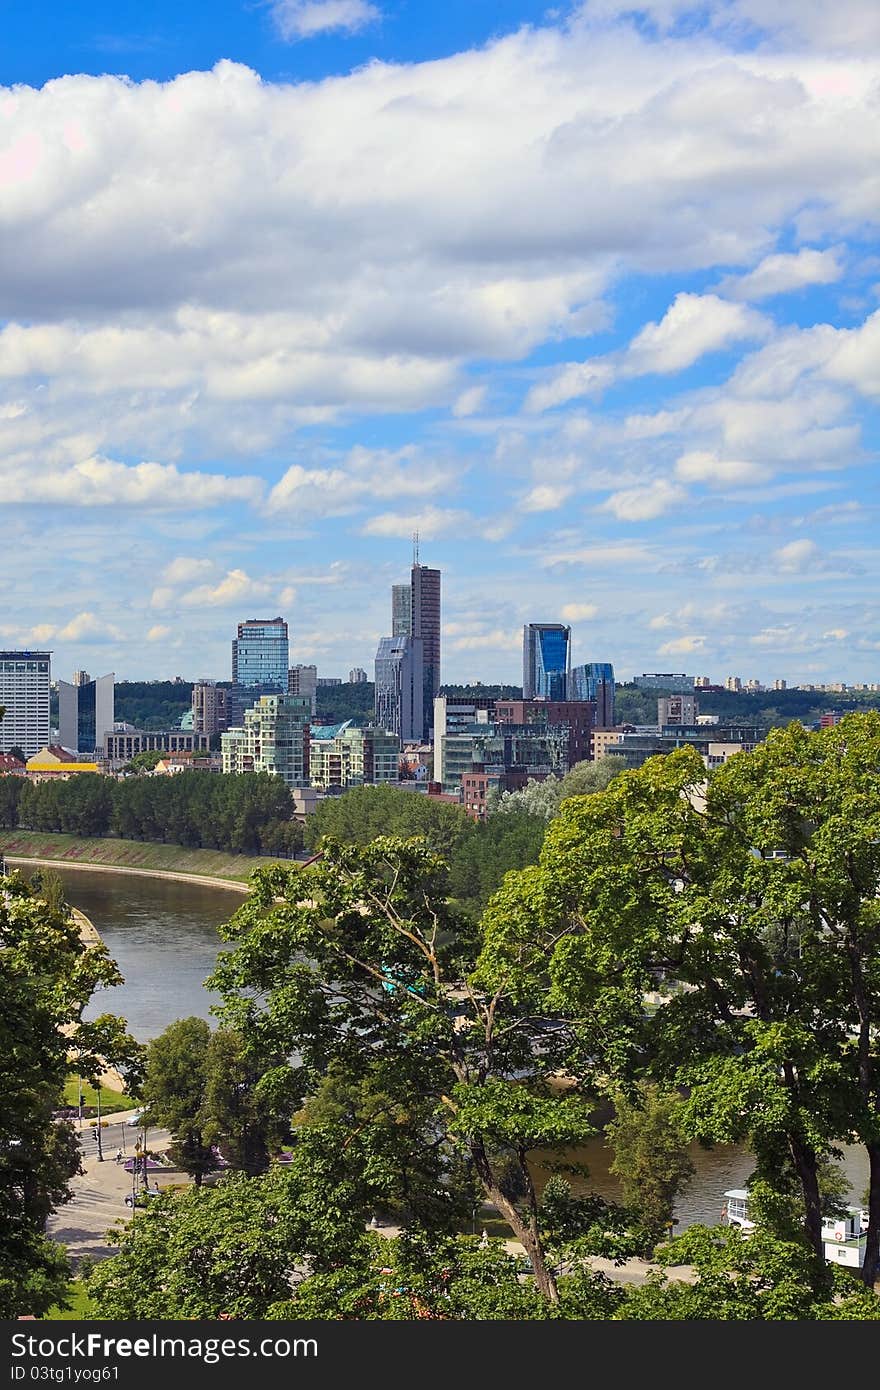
(844, 1238)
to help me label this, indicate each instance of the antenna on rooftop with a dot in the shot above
(415, 547)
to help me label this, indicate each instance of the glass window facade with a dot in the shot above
(260, 653)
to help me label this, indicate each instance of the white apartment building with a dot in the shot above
(24, 696)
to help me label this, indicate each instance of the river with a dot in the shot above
(163, 935)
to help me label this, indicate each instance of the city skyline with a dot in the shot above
(266, 315)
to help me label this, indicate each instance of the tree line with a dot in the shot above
(244, 813)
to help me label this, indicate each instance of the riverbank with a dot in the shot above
(213, 867)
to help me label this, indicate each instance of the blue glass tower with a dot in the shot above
(260, 653)
(595, 681)
(546, 661)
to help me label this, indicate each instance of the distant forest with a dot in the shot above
(767, 709)
(162, 704)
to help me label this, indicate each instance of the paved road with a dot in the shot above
(99, 1192)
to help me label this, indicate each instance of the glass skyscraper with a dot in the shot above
(595, 681)
(260, 653)
(546, 661)
(399, 672)
(85, 712)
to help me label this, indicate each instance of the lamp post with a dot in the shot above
(80, 1102)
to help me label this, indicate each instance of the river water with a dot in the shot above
(163, 935)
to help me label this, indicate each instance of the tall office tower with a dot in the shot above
(595, 681)
(399, 687)
(274, 737)
(210, 707)
(260, 653)
(85, 713)
(401, 610)
(546, 661)
(425, 587)
(24, 698)
(81, 678)
(303, 680)
(357, 675)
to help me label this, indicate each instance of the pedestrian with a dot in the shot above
(118, 1155)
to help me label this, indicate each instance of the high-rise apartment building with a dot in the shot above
(546, 661)
(81, 678)
(779, 684)
(24, 698)
(85, 712)
(274, 738)
(260, 653)
(594, 681)
(210, 707)
(357, 676)
(303, 680)
(400, 687)
(344, 757)
(733, 683)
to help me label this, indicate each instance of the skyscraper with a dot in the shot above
(260, 653)
(274, 737)
(546, 661)
(594, 681)
(85, 712)
(24, 699)
(399, 687)
(425, 585)
(209, 707)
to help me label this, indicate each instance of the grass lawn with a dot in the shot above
(111, 1101)
(81, 1306)
(131, 854)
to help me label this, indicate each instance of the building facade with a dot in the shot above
(121, 745)
(677, 709)
(400, 687)
(274, 738)
(401, 610)
(210, 707)
(675, 682)
(260, 653)
(594, 681)
(24, 698)
(357, 676)
(85, 712)
(303, 680)
(546, 661)
(346, 756)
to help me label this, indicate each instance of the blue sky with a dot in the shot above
(589, 296)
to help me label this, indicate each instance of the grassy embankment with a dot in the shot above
(131, 854)
(111, 1101)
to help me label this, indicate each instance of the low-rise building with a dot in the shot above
(122, 744)
(53, 761)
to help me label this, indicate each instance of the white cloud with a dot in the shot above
(303, 19)
(703, 466)
(781, 273)
(102, 482)
(579, 612)
(835, 634)
(361, 477)
(596, 556)
(693, 325)
(85, 627)
(234, 588)
(644, 503)
(798, 557)
(432, 523)
(159, 632)
(469, 402)
(576, 379)
(545, 497)
(681, 646)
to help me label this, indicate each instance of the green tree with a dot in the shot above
(173, 1092)
(493, 847)
(756, 889)
(234, 1249)
(650, 1157)
(360, 956)
(245, 1108)
(363, 813)
(146, 761)
(47, 978)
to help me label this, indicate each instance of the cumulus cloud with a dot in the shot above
(693, 325)
(703, 466)
(103, 482)
(782, 273)
(545, 497)
(159, 632)
(579, 612)
(234, 588)
(303, 19)
(644, 503)
(469, 402)
(362, 476)
(681, 646)
(432, 523)
(84, 627)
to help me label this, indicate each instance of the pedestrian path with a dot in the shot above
(99, 1192)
